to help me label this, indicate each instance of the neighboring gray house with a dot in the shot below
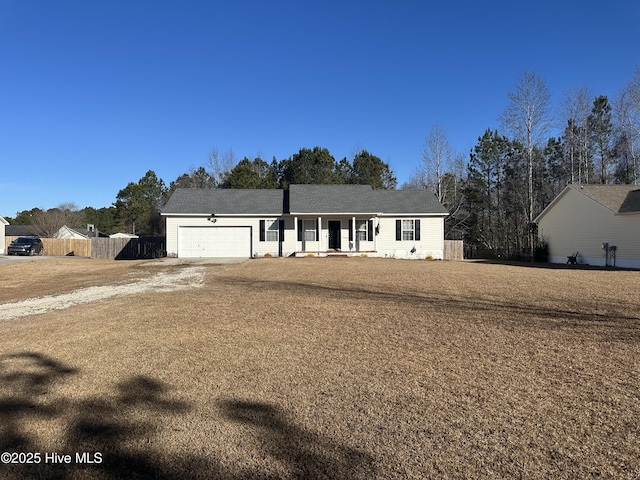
(306, 219)
(20, 231)
(590, 220)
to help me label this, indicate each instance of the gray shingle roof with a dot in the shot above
(303, 199)
(224, 202)
(408, 202)
(19, 230)
(330, 199)
(327, 199)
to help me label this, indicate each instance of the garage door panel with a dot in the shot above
(214, 242)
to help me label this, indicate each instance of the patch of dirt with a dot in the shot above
(36, 278)
(191, 277)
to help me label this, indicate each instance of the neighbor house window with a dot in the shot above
(407, 229)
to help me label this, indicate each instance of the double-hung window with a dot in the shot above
(364, 230)
(270, 230)
(308, 230)
(407, 229)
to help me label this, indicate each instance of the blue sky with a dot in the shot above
(95, 93)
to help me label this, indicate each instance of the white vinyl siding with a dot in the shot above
(431, 243)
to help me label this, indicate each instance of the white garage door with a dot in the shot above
(214, 242)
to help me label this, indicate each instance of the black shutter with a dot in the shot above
(351, 230)
(417, 223)
(281, 230)
(317, 234)
(300, 230)
(398, 230)
(370, 230)
(262, 228)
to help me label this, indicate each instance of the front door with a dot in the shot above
(334, 234)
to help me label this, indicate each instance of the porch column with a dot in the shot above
(319, 234)
(295, 235)
(353, 233)
(376, 223)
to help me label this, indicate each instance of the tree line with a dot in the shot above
(512, 174)
(138, 205)
(493, 193)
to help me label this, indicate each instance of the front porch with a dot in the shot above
(335, 236)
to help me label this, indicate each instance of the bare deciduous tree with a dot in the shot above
(47, 223)
(437, 160)
(220, 164)
(442, 171)
(528, 117)
(575, 114)
(627, 112)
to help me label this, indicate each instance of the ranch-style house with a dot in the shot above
(305, 220)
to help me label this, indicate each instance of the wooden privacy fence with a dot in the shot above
(117, 248)
(453, 250)
(128, 248)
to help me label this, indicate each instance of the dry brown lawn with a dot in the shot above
(327, 368)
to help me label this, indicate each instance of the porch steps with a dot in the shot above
(331, 254)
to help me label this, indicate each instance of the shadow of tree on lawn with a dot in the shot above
(24, 379)
(307, 454)
(115, 431)
(100, 427)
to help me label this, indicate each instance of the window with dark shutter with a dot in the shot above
(370, 230)
(262, 230)
(351, 230)
(398, 230)
(300, 231)
(417, 236)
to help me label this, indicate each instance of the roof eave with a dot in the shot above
(258, 214)
(415, 214)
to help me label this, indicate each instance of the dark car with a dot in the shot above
(25, 246)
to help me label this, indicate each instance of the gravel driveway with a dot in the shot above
(189, 277)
